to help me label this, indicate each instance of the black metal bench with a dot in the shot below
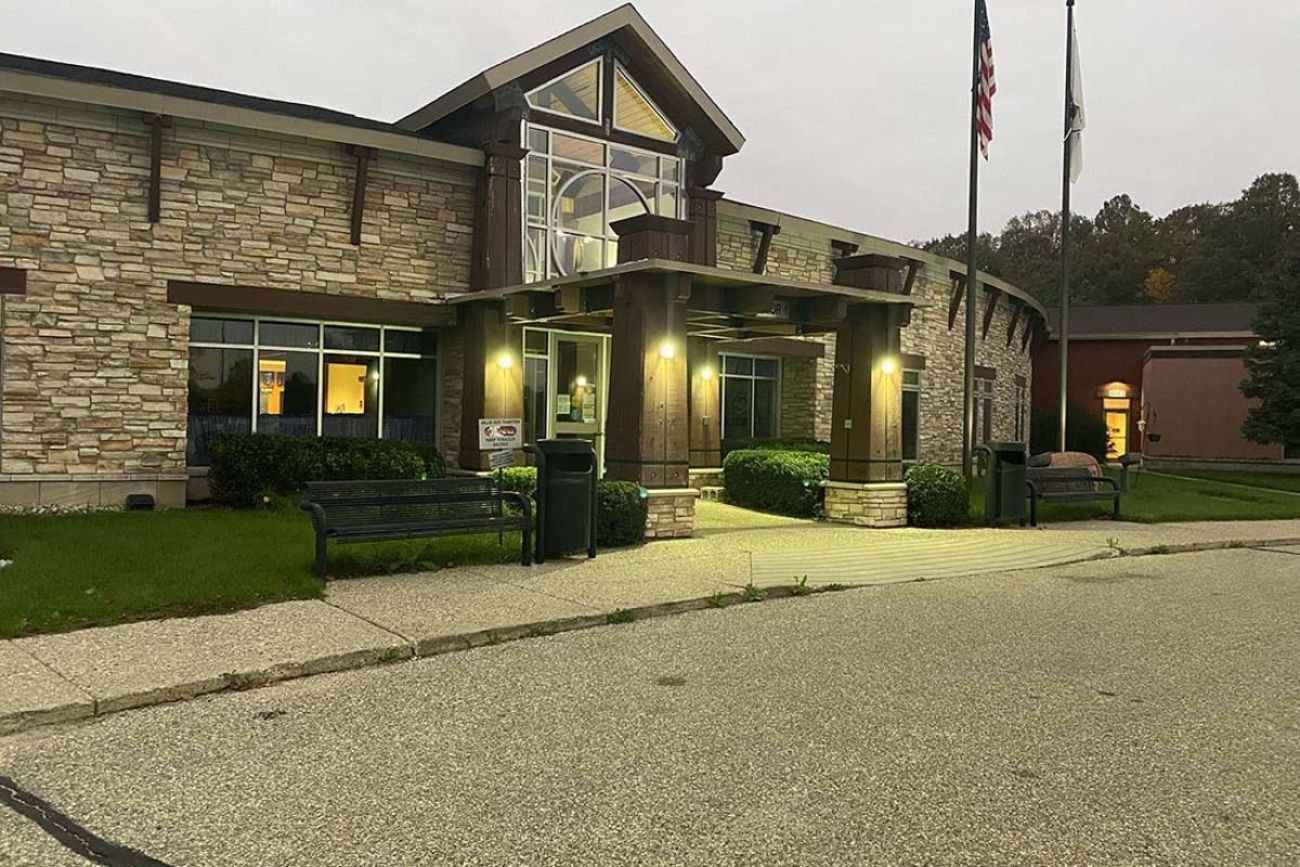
(1069, 483)
(375, 511)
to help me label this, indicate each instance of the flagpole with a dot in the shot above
(972, 273)
(1064, 329)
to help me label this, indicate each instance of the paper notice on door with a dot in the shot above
(563, 405)
(589, 408)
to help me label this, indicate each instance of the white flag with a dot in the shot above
(1077, 122)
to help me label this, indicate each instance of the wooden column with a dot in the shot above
(494, 375)
(867, 402)
(705, 377)
(703, 243)
(498, 255)
(647, 427)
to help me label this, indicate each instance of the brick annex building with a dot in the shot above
(544, 240)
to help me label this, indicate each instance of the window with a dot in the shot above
(911, 414)
(750, 396)
(537, 359)
(575, 187)
(983, 408)
(1022, 412)
(307, 379)
(575, 94)
(634, 112)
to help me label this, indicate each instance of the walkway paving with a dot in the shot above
(736, 554)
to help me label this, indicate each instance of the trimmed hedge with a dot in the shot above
(245, 468)
(786, 444)
(936, 496)
(621, 510)
(785, 482)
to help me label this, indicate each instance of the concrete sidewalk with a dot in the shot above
(735, 555)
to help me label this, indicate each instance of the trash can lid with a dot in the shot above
(1008, 446)
(566, 447)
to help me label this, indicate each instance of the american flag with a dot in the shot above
(988, 83)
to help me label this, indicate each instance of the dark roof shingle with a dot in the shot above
(1145, 319)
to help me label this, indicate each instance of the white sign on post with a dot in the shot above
(495, 434)
(501, 460)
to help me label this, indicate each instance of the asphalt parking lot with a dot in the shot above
(1134, 711)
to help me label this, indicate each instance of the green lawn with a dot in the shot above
(74, 571)
(1273, 481)
(1153, 498)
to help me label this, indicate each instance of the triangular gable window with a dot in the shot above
(576, 93)
(634, 112)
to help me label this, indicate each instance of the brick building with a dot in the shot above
(1165, 378)
(542, 241)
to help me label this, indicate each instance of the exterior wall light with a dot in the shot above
(667, 350)
(581, 381)
(504, 360)
(706, 373)
(887, 367)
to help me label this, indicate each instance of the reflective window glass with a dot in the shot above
(357, 339)
(410, 342)
(220, 397)
(287, 392)
(410, 399)
(204, 329)
(291, 334)
(576, 94)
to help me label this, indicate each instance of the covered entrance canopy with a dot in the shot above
(667, 318)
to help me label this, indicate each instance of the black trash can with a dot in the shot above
(1004, 496)
(566, 497)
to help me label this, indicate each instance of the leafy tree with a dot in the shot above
(1159, 284)
(1274, 371)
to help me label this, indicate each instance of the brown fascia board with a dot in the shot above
(394, 140)
(1139, 336)
(566, 43)
(313, 305)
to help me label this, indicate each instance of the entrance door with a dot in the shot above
(1116, 426)
(576, 372)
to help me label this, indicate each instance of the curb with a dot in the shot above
(407, 650)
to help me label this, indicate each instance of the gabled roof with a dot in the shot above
(1120, 321)
(624, 20)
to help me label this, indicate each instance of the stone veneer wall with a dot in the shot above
(94, 357)
(875, 504)
(671, 513)
(802, 250)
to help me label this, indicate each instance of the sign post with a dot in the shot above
(499, 437)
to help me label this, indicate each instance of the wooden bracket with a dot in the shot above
(990, 307)
(913, 268)
(1031, 325)
(766, 231)
(363, 155)
(1016, 308)
(840, 249)
(156, 123)
(954, 303)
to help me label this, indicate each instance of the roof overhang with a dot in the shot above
(720, 303)
(150, 102)
(623, 20)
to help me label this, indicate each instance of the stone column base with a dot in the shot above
(671, 513)
(867, 504)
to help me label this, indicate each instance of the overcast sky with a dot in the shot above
(855, 111)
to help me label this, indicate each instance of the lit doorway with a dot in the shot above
(566, 386)
(1116, 410)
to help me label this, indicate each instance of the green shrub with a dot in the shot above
(786, 444)
(620, 507)
(785, 482)
(245, 468)
(936, 496)
(1084, 432)
(520, 479)
(621, 510)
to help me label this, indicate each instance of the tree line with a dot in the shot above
(1243, 250)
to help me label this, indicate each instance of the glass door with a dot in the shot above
(1116, 426)
(566, 385)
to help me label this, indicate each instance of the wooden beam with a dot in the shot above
(825, 309)
(990, 307)
(954, 303)
(1016, 307)
(1031, 325)
(840, 249)
(156, 124)
(568, 299)
(766, 231)
(363, 156)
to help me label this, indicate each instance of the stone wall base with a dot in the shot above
(867, 504)
(671, 513)
(706, 477)
(106, 491)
